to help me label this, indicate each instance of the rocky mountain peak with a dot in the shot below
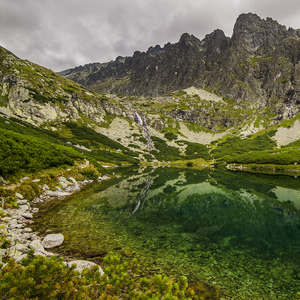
(216, 41)
(258, 66)
(254, 34)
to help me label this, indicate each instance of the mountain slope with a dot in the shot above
(258, 67)
(193, 125)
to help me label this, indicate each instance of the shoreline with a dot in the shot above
(19, 236)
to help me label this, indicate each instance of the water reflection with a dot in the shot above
(239, 231)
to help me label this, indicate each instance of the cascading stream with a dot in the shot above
(142, 122)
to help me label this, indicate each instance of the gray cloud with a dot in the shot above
(62, 34)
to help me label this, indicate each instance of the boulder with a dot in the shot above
(58, 194)
(27, 215)
(37, 246)
(64, 182)
(52, 240)
(19, 196)
(83, 264)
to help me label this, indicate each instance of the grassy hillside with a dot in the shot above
(26, 148)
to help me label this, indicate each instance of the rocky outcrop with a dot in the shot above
(258, 67)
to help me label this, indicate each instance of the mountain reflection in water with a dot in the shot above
(234, 230)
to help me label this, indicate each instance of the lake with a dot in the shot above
(228, 231)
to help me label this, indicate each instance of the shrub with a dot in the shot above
(234, 146)
(166, 152)
(22, 152)
(196, 150)
(41, 278)
(170, 136)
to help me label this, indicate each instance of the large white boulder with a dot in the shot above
(52, 240)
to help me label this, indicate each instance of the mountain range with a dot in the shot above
(218, 100)
(257, 67)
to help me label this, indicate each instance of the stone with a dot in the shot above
(36, 245)
(19, 196)
(58, 194)
(22, 202)
(22, 248)
(64, 182)
(83, 264)
(2, 180)
(53, 240)
(27, 215)
(46, 187)
(5, 219)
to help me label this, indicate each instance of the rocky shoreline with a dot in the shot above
(20, 238)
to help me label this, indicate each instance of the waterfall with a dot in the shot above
(141, 120)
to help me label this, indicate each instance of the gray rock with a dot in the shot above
(27, 215)
(22, 202)
(53, 240)
(19, 196)
(64, 182)
(2, 180)
(37, 246)
(46, 187)
(5, 219)
(83, 264)
(22, 248)
(58, 194)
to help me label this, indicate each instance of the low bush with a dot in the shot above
(21, 152)
(170, 136)
(38, 277)
(86, 133)
(259, 157)
(195, 150)
(165, 152)
(234, 146)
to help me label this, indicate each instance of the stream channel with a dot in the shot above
(238, 233)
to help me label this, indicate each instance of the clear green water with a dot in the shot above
(237, 231)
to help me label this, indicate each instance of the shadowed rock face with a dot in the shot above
(258, 65)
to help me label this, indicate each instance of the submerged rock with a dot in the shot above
(53, 240)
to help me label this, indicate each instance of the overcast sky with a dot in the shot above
(60, 34)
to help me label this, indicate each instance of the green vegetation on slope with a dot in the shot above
(165, 152)
(26, 148)
(83, 133)
(235, 146)
(270, 157)
(21, 152)
(196, 150)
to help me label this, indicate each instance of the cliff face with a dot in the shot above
(258, 67)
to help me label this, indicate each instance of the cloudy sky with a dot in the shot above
(61, 34)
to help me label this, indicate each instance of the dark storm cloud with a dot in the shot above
(60, 34)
